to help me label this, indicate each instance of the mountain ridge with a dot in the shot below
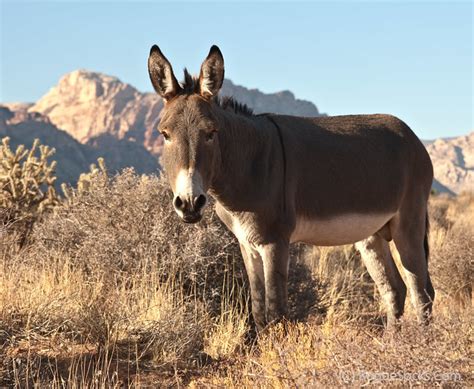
(453, 162)
(87, 104)
(74, 158)
(107, 117)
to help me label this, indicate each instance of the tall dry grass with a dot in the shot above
(342, 342)
(112, 275)
(112, 291)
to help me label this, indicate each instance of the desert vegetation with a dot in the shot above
(109, 289)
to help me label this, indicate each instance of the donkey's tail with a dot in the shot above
(426, 243)
(429, 286)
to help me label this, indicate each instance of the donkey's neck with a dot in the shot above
(250, 158)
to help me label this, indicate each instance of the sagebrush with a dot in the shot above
(112, 290)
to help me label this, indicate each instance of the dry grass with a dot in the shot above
(113, 291)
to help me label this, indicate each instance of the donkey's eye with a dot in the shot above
(210, 135)
(165, 135)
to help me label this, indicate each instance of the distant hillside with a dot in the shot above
(283, 102)
(73, 157)
(453, 162)
(89, 114)
(88, 104)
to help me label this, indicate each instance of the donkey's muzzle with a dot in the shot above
(190, 210)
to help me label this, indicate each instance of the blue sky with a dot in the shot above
(411, 59)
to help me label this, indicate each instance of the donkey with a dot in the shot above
(278, 179)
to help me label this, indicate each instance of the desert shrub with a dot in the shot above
(125, 225)
(438, 211)
(305, 355)
(54, 318)
(96, 177)
(26, 185)
(452, 251)
(113, 268)
(342, 290)
(112, 290)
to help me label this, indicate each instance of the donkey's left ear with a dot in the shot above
(212, 73)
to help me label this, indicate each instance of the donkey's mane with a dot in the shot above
(191, 85)
(228, 102)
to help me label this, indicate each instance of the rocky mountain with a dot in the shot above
(74, 158)
(23, 127)
(88, 104)
(89, 114)
(453, 163)
(283, 102)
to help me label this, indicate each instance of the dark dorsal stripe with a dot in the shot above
(280, 137)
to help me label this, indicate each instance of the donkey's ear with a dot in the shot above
(212, 73)
(161, 75)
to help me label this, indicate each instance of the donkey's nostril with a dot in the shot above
(200, 202)
(178, 203)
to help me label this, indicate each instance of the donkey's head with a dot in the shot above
(191, 151)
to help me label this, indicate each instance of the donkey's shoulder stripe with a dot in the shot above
(280, 136)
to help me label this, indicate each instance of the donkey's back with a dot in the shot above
(353, 164)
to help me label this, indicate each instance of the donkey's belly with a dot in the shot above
(338, 230)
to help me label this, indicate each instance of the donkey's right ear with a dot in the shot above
(161, 75)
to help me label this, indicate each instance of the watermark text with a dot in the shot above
(350, 376)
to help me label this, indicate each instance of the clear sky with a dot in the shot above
(411, 59)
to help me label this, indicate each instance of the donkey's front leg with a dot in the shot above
(254, 267)
(275, 264)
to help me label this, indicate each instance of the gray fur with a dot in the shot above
(340, 172)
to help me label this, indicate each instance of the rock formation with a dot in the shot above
(88, 104)
(73, 157)
(102, 116)
(453, 162)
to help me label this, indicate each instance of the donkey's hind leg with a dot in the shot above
(409, 232)
(375, 253)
